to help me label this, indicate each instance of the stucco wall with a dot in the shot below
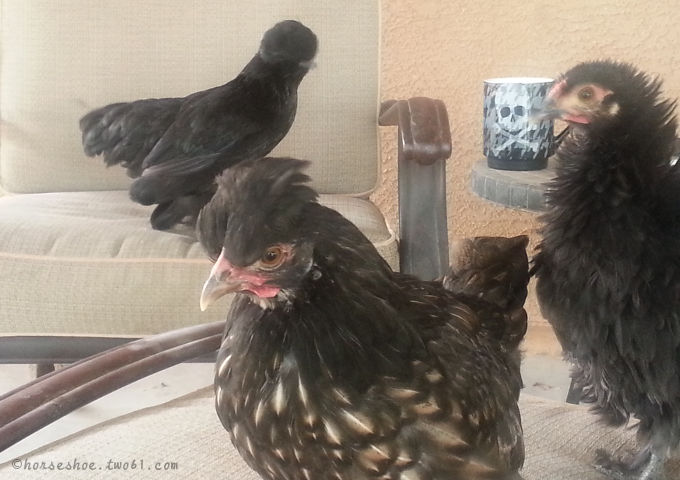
(445, 49)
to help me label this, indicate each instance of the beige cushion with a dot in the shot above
(62, 58)
(560, 444)
(88, 263)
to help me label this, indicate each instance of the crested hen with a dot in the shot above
(176, 146)
(608, 266)
(333, 366)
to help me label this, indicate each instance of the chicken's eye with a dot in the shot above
(273, 257)
(585, 93)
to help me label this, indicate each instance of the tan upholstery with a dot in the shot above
(82, 258)
(560, 443)
(62, 58)
(88, 263)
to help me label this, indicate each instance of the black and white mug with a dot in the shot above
(515, 138)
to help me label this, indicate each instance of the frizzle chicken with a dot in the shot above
(608, 266)
(176, 146)
(333, 366)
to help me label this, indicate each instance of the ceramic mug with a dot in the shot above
(515, 138)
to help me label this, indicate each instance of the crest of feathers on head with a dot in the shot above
(257, 202)
(288, 40)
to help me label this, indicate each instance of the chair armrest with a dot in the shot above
(32, 406)
(424, 144)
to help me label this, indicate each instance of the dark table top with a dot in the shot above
(524, 190)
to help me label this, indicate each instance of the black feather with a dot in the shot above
(608, 266)
(495, 270)
(353, 371)
(175, 147)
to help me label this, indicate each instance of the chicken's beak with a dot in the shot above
(548, 111)
(219, 283)
(552, 110)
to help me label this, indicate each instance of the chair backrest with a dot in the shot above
(62, 58)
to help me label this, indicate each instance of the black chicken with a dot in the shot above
(608, 266)
(495, 269)
(176, 146)
(332, 365)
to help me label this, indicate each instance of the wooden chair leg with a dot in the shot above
(43, 369)
(574, 394)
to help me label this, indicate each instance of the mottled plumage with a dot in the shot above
(176, 146)
(608, 266)
(496, 270)
(332, 365)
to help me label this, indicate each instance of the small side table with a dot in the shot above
(523, 190)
